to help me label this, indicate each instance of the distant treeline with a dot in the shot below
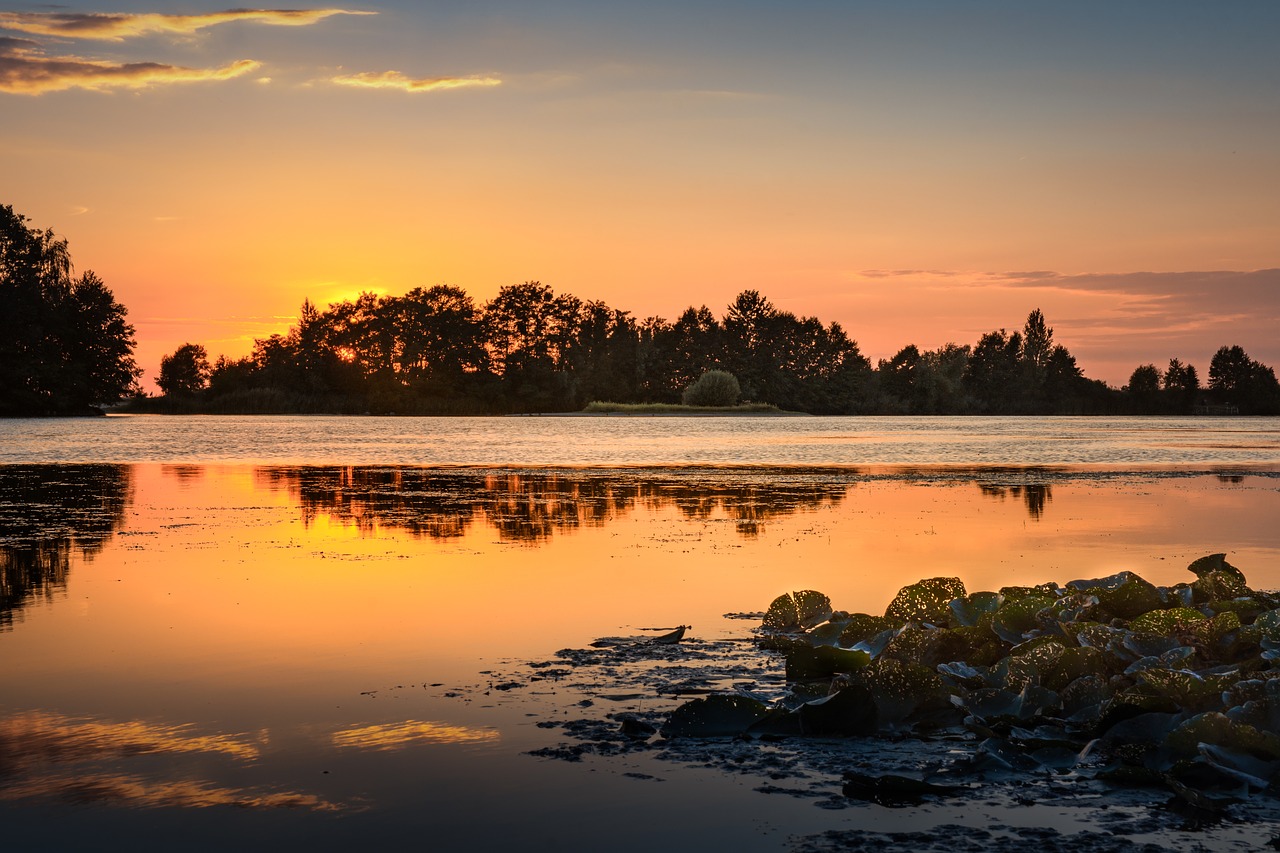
(66, 348)
(435, 351)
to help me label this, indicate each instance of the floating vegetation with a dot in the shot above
(1108, 679)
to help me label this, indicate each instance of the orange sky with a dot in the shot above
(898, 169)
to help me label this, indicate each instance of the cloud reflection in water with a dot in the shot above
(34, 743)
(391, 736)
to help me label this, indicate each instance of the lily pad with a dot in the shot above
(925, 601)
(1175, 620)
(971, 610)
(1220, 730)
(891, 790)
(718, 715)
(849, 712)
(807, 664)
(1016, 618)
(1215, 563)
(903, 689)
(861, 626)
(797, 610)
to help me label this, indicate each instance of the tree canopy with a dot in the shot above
(65, 345)
(435, 351)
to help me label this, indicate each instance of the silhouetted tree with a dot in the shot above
(748, 334)
(441, 336)
(1235, 379)
(1180, 386)
(65, 346)
(1143, 390)
(530, 333)
(992, 375)
(185, 371)
(898, 380)
(694, 345)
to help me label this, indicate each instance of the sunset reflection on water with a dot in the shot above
(182, 636)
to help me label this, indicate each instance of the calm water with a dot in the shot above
(632, 441)
(204, 643)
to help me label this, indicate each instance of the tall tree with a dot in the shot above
(1236, 379)
(440, 336)
(65, 345)
(1143, 390)
(748, 333)
(185, 371)
(1180, 386)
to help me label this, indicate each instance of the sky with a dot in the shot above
(920, 172)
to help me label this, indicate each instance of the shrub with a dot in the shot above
(713, 388)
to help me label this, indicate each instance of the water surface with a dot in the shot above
(646, 441)
(223, 632)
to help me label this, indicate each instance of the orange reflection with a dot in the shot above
(114, 789)
(34, 737)
(316, 582)
(399, 735)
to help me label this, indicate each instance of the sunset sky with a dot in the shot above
(921, 172)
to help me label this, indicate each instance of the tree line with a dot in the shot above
(529, 349)
(66, 348)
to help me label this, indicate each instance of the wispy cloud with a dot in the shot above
(25, 71)
(118, 27)
(397, 80)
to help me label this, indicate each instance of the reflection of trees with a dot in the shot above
(46, 512)
(1035, 495)
(184, 474)
(530, 506)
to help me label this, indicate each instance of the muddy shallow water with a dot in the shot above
(356, 655)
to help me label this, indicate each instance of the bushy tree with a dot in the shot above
(185, 371)
(1143, 390)
(713, 388)
(1235, 379)
(65, 345)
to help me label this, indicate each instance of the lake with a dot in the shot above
(343, 632)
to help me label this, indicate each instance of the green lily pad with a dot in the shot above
(1176, 620)
(1220, 730)
(891, 790)
(903, 689)
(718, 715)
(1190, 690)
(861, 626)
(1269, 623)
(925, 601)
(849, 712)
(1215, 563)
(809, 664)
(1016, 618)
(1217, 579)
(972, 609)
(797, 610)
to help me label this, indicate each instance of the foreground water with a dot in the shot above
(250, 654)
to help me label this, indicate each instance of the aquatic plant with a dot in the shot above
(1110, 678)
